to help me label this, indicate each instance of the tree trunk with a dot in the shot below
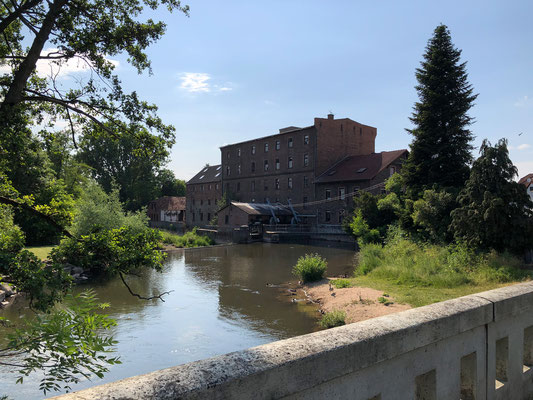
(16, 88)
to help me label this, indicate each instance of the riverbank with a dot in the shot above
(359, 303)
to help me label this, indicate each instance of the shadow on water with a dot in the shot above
(224, 299)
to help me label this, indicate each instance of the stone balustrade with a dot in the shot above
(475, 347)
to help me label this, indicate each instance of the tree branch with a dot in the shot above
(50, 220)
(160, 296)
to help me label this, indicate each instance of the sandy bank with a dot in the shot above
(359, 303)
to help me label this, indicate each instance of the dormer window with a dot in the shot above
(361, 170)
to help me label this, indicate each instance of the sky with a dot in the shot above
(237, 70)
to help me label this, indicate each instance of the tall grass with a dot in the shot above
(189, 239)
(405, 262)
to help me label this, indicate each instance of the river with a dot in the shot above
(223, 298)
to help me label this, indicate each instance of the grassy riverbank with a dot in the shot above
(189, 239)
(419, 274)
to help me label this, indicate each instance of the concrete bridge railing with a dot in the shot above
(474, 347)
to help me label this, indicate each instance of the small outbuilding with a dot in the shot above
(238, 214)
(167, 209)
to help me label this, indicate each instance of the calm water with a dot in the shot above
(220, 303)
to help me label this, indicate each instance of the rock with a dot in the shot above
(2, 295)
(76, 270)
(6, 287)
(4, 304)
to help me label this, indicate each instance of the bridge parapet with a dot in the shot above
(474, 347)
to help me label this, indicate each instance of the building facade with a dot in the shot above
(312, 170)
(167, 209)
(527, 181)
(204, 191)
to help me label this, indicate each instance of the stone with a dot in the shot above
(2, 295)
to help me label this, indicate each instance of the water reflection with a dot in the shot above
(220, 303)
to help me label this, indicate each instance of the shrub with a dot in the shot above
(332, 319)
(310, 267)
(342, 283)
(111, 251)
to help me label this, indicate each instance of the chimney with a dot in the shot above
(330, 116)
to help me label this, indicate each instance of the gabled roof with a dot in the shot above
(526, 180)
(207, 174)
(360, 168)
(170, 203)
(261, 208)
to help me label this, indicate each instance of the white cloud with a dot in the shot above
(195, 82)
(200, 82)
(523, 102)
(523, 146)
(59, 67)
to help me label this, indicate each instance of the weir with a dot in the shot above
(474, 347)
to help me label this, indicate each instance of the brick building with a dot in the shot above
(167, 209)
(204, 190)
(306, 167)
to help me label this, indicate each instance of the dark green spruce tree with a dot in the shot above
(440, 153)
(495, 212)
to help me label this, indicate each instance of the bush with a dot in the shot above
(98, 210)
(189, 239)
(342, 283)
(111, 251)
(332, 319)
(310, 267)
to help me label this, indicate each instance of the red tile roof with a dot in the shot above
(369, 166)
(170, 203)
(526, 180)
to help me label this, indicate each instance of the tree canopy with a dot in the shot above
(440, 153)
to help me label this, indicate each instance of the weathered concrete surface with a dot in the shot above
(383, 356)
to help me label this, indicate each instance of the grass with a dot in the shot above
(423, 274)
(310, 268)
(332, 319)
(342, 283)
(189, 239)
(41, 251)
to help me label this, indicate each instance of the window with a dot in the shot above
(227, 155)
(253, 166)
(392, 170)
(228, 171)
(226, 219)
(201, 216)
(209, 202)
(208, 216)
(328, 194)
(202, 188)
(306, 139)
(290, 142)
(356, 189)
(341, 216)
(360, 131)
(306, 160)
(252, 186)
(193, 202)
(227, 187)
(265, 186)
(305, 202)
(277, 184)
(202, 202)
(239, 152)
(289, 183)
(290, 162)
(238, 186)
(277, 163)
(253, 148)
(239, 169)
(342, 193)
(328, 216)
(193, 216)
(266, 147)
(216, 186)
(278, 145)
(210, 186)
(266, 165)
(306, 181)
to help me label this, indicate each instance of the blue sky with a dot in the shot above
(236, 70)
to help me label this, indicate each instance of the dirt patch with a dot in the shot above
(359, 303)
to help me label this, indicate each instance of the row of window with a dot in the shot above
(201, 188)
(201, 216)
(277, 184)
(340, 216)
(266, 165)
(341, 192)
(266, 146)
(202, 202)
